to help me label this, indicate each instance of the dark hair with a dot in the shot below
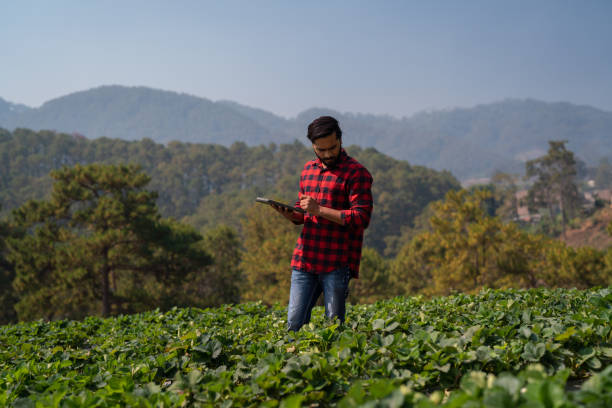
(323, 127)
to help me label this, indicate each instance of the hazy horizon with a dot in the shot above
(430, 110)
(394, 58)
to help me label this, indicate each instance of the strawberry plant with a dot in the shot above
(497, 348)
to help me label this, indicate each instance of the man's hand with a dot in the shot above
(310, 204)
(285, 212)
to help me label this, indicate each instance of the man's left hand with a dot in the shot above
(310, 204)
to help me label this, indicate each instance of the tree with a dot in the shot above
(608, 255)
(223, 277)
(412, 269)
(564, 266)
(469, 238)
(198, 182)
(99, 245)
(554, 185)
(603, 174)
(269, 240)
(373, 283)
(7, 274)
(465, 250)
(505, 195)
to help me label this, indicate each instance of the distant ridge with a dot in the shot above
(470, 142)
(134, 113)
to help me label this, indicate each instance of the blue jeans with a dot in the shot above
(307, 287)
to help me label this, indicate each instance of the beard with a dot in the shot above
(330, 162)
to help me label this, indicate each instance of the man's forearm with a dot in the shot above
(331, 215)
(313, 207)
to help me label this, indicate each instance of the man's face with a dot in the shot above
(327, 149)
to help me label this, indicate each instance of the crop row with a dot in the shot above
(409, 351)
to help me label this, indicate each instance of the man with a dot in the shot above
(335, 192)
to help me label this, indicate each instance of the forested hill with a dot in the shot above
(137, 113)
(210, 184)
(470, 142)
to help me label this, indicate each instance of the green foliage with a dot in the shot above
(466, 250)
(99, 245)
(497, 348)
(564, 266)
(401, 192)
(554, 187)
(223, 277)
(199, 183)
(603, 174)
(269, 240)
(504, 195)
(468, 240)
(411, 270)
(374, 279)
(7, 274)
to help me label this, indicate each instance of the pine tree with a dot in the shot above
(466, 250)
(266, 263)
(554, 184)
(99, 245)
(373, 283)
(224, 276)
(505, 195)
(7, 274)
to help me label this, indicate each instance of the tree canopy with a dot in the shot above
(99, 245)
(554, 186)
(466, 249)
(199, 183)
(7, 275)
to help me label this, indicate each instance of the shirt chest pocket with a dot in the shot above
(331, 192)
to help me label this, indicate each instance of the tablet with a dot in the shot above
(270, 202)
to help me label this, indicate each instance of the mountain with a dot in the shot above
(134, 113)
(470, 142)
(8, 109)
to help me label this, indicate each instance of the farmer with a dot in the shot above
(335, 191)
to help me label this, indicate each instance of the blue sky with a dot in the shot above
(382, 57)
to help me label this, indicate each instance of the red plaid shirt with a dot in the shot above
(323, 245)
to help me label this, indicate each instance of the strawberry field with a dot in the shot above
(536, 348)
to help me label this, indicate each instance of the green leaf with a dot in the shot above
(381, 388)
(525, 332)
(566, 334)
(356, 393)
(509, 383)
(392, 326)
(474, 383)
(484, 353)
(194, 377)
(594, 363)
(498, 398)
(293, 401)
(378, 324)
(534, 351)
(388, 340)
